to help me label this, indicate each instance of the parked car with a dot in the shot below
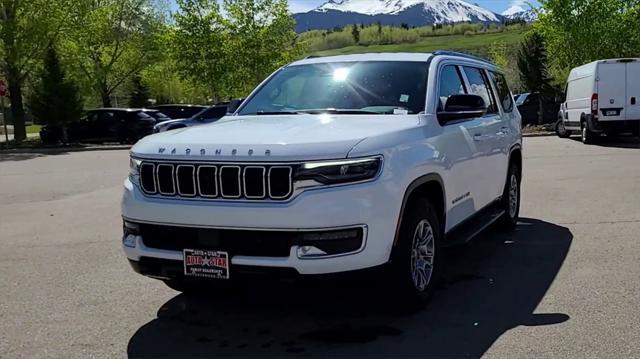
(158, 115)
(601, 97)
(104, 125)
(529, 107)
(207, 115)
(179, 111)
(334, 164)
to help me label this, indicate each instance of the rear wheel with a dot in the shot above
(588, 137)
(511, 199)
(416, 260)
(561, 131)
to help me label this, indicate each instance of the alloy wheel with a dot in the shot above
(422, 255)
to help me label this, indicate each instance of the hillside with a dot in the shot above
(475, 44)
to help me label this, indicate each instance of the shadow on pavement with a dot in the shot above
(491, 285)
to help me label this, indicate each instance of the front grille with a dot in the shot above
(217, 181)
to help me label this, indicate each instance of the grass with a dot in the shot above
(33, 128)
(477, 43)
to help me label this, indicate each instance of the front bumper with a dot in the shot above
(370, 206)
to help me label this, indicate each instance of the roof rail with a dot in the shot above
(312, 56)
(460, 54)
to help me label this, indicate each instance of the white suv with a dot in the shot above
(332, 164)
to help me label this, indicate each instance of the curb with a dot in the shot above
(539, 134)
(64, 149)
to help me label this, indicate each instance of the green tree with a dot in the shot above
(261, 38)
(198, 43)
(111, 40)
(139, 97)
(27, 29)
(504, 56)
(580, 31)
(356, 34)
(534, 70)
(55, 99)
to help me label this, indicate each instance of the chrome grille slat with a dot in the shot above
(171, 178)
(191, 178)
(246, 179)
(217, 181)
(202, 185)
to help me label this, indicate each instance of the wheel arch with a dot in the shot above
(431, 186)
(515, 154)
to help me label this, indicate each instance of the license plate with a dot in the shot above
(206, 264)
(611, 113)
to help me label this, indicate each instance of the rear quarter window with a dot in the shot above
(504, 94)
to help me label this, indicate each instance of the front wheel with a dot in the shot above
(561, 131)
(511, 198)
(416, 260)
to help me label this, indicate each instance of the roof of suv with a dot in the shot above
(392, 56)
(383, 56)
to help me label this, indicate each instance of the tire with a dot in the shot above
(511, 199)
(419, 241)
(588, 137)
(561, 131)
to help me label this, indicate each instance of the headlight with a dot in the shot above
(341, 171)
(134, 169)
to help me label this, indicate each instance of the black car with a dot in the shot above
(529, 104)
(207, 115)
(179, 111)
(104, 125)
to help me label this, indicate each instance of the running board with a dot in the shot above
(471, 227)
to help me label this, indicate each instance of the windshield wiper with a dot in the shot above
(346, 111)
(274, 113)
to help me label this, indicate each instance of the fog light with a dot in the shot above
(130, 228)
(129, 240)
(310, 251)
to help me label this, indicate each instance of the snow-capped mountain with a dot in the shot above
(518, 13)
(392, 12)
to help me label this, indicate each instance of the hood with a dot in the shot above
(274, 138)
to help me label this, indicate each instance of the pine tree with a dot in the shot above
(139, 97)
(356, 34)
(534, 69)
(55, 98)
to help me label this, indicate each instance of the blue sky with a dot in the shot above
(497, 6)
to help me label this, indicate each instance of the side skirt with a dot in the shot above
(472, 226)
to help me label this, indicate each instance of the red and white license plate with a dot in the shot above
(205, 263)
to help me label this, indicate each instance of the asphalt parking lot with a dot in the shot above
(565, 284)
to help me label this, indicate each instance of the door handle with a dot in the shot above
(479, 137)
(503, 131)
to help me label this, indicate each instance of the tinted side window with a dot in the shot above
(450, 84)
(479, 85)
(503, 91)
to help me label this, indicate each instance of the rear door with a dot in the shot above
(490, 162)
(611, 91)
(633, 91)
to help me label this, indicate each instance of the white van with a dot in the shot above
(601, 97)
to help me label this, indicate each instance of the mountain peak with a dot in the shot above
(443, 10)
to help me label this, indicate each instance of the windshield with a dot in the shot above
(343, 87)
(521, 99)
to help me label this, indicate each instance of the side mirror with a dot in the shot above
(234, 104)
(462, 107)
